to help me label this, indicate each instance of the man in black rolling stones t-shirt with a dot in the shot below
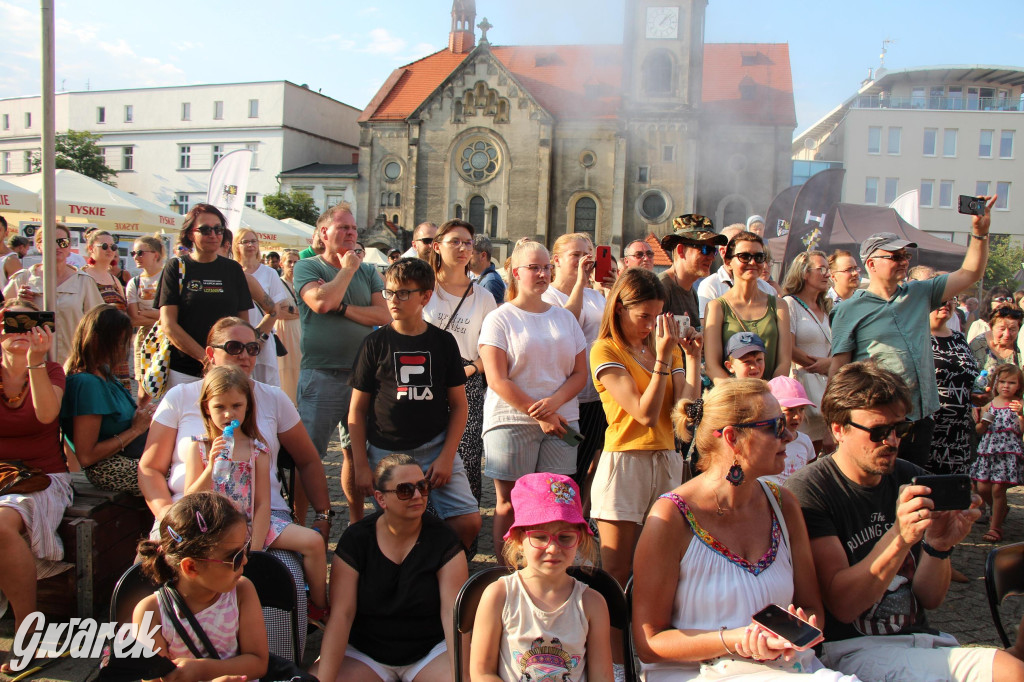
(880, 551)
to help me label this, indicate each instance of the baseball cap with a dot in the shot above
(789, 392)
(742, 343)
(542, 498)
(692, 229)
(886, 241)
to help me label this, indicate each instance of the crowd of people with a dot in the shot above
(713, 435)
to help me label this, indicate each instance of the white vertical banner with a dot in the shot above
(228, 181)
(909, 207)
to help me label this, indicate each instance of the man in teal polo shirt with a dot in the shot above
(888, 322)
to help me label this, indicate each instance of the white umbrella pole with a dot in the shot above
(49, 162)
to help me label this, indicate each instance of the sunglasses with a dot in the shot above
(236, 348)
(106, 247)
(405, 491)
(401, 294)
(778, 425)
(542, 539)
(133, 254)
(896, 257)
(879, 433)
(425, 240)
(207, 230)
(358, 252)
(1002, 299)
(236, 560)
(746, 257)
(705, 249)
(63, 242)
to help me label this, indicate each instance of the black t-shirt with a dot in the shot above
(859, 516)
(208, 292)
(408, 378)
(398, 606)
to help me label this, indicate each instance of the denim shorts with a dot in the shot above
(323, 396)
(514, 450)
(455, 498)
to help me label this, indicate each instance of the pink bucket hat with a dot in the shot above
(789, 392)
(543, 498)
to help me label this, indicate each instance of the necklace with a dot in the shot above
(718, 504)
(12, 403)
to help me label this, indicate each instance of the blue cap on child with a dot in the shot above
(742, 343)
(543, 498)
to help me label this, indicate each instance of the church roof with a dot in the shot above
(584, 81)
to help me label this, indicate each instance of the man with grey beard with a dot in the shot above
(880, 550)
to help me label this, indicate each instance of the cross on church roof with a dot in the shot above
(484, 27)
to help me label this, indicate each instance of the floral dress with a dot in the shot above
(1000, 451)
(239, 487)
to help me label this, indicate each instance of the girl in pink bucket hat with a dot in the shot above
(793, 399)
(540, 622)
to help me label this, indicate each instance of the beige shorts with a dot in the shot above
(904, 657)
(627, 484)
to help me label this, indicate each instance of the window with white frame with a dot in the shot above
(26, 162)
(895, 138)
(103, 155)
(1006, 144)
(250, 199)
(183, 205)
(981, 188)
(946, 194)
(101, 114)
(186, 111)
(985, 144)
(5, 162)
(217, 153)
(254, 108)
(925, 194)
(184, 156)
(949, 142)
(871, 190)
(874, 139)
(129, 113)
(1003, 190)
(128, 158)
(892, 189)
(930, 136)
(254, 148)
(218, 110)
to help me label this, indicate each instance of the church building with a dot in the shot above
(612, 140)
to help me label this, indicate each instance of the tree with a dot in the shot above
(295, 204)
(1005, 259)
(77, 150)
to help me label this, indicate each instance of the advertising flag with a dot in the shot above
(228, 181)
(815, 199)
(908, 205)
(776, 222)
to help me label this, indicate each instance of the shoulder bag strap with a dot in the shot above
(774, 494)
(179, 601)
(734, 314)
(163, 596)
(461, 301)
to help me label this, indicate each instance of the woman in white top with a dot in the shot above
(289, 329)
(148, 254)
(459, 306)
(805, 290)
(246, 249)
(77, 292)
(534, 356)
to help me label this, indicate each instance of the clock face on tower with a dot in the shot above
(662, 23)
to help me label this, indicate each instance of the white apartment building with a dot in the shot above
(944, 130)
(163, 142)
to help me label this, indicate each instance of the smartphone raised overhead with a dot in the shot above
(971, 205)
(950, 492)
(602, 263)
(781, 623)
(21, 321)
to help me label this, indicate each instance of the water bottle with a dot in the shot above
(981, 383)
(222, 465)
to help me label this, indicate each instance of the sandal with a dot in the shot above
(993, 535)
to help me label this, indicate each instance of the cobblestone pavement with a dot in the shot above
(964, 614)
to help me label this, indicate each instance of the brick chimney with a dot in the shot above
(462, 38)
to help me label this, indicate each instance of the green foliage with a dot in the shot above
(1004, 261)
(294, 204)
(77, 150)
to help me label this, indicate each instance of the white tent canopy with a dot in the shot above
(273, 231)
(299, 225)
(17, 199)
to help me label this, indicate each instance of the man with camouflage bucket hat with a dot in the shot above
(691, 246)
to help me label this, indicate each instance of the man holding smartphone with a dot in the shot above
(881, 551)
(691, 245)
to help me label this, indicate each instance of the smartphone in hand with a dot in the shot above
(950, 492)
(781, 623)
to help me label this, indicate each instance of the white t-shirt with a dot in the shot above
(541, 350)
(466, 327)
(144, 292)
(180, 410)
(720, 282)
(3, 266)
(798, 453)
(265, 368)
(590, 321)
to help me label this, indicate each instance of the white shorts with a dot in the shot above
(904, 657)
(393, 673)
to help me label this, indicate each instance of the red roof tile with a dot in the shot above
(730, 68)
(415, 84)
(660, 257)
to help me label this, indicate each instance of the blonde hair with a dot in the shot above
(733, 401)
(587, 551)
(562, 243)
(236, 243)
(797, 274)
(519, 254)
(218, 381)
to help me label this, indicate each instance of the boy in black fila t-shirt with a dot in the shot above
(409, 396)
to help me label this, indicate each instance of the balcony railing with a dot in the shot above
(938, 103)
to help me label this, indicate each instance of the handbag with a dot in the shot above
(16, 477)
(279, 346)
(279, 668)
(155, 353)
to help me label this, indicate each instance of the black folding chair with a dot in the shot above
(131, 588)
(286, 474)
(466, 604)
(275, 586)
(1004, 577)
(619, 612)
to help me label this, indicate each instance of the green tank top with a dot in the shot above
(766, 326)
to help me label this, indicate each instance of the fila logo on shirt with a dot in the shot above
(413, 376)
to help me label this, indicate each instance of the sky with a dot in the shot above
(347, 50)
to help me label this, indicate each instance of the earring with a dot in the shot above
(735, 475)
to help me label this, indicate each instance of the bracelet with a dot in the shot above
(662, 362)
(664, 374)
(41, 365)
(324, 516)
(937, 553)
(721, 636)
(979, 237)
(118, 437)
(343, 309)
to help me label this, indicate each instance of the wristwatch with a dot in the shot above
(937, 553)
(324, 515)
(264, 337)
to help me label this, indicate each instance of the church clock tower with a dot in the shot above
(663, 53)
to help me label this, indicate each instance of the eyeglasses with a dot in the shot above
(63, 242)
(425, 240)
(640, 255)
(405, 491)
(778, 425)
(459, 243)
(207, 230)
(855, 270)
(541, 539)
(401, 294)
(236, 348)
(747, 257)
(537, 269)
(133, 254)
(250, 242)
(106, 247)
(879, 433)
(358, 252)
(1002, 299)
(823, 271)
(896, 257)
(236, 560)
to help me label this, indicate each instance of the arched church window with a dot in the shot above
(476, 213)
(493, 231)
(585, 216)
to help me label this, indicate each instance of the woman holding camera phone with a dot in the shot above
(728, 545)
